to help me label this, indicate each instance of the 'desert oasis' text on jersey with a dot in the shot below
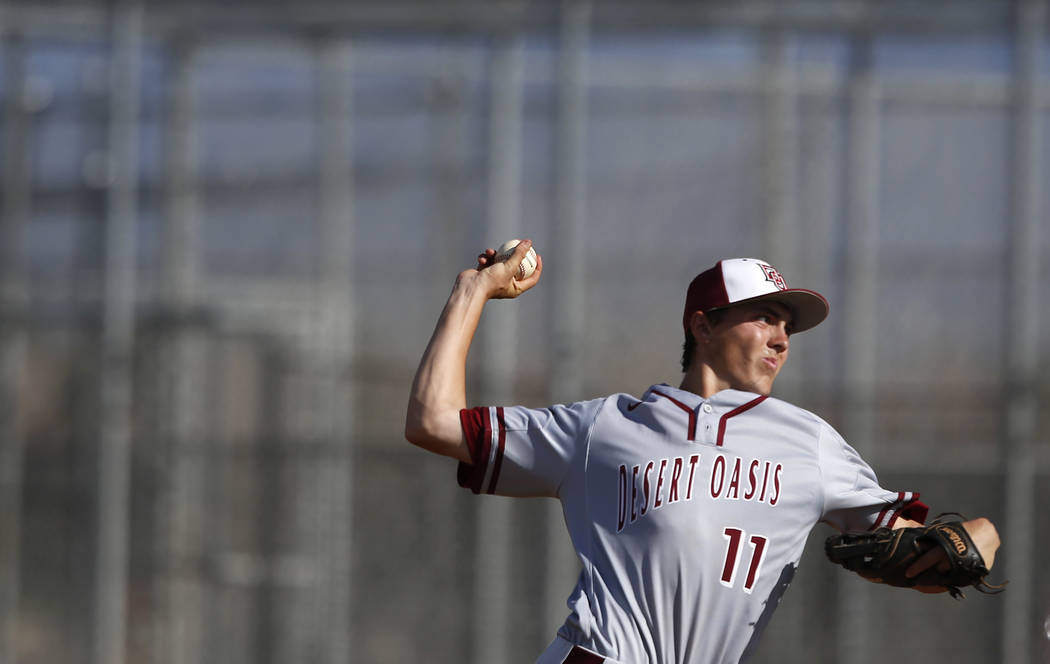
(689, 515)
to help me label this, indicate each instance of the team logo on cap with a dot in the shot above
(773, 276)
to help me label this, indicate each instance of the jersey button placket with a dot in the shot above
(708, 424)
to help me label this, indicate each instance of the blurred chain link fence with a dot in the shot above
(227, 232)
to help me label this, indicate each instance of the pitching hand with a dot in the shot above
(496, 278)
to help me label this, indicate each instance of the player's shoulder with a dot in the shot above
(622, 404)
(800, 416)
(824, 433)
(586, 409)
(788, 407)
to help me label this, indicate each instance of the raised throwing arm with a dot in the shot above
(439, 389)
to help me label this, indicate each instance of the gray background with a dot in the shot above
(227, 232)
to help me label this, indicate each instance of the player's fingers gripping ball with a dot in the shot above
(884, 555)
(528, 263)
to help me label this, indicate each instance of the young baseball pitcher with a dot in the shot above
(688, 506)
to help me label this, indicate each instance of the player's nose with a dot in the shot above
(779, 339)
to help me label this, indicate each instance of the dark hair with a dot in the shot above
(714, 317)
(688, 350)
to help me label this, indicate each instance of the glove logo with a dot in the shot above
(773, 276)
(957, 542)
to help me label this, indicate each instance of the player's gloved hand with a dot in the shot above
(935, 558)
(984, 536)
(496, 278)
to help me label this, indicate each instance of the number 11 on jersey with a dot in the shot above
(734, 536)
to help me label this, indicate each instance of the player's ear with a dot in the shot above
(701, 327)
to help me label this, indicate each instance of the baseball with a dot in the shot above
(528, 264)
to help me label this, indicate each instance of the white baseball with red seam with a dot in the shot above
(528, 264)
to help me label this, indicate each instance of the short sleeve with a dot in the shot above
(853, 499)
(518, 451)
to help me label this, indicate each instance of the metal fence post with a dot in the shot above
(1022, 354)
(569, 254)
(180, 532)
(335, 346)
(859, 374)
(13, 312)
(118, 337)
(492, 595)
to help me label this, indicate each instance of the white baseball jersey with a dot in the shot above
(689, 515)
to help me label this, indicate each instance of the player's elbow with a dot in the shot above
(417, 434)
(416, 419)
(435, 431)
(415, 427)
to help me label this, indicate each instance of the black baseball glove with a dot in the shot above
(883, 555)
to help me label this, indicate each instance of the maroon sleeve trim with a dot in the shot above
(907, 505)
(502, 441)
(916, 510)
(580, 655)
(478, 437)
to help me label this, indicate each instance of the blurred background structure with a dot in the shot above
(228, 229)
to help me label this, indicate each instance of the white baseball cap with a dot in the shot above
(737, 280)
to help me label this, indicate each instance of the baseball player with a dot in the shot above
(688, 506)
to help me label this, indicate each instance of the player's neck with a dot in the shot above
(700, 379)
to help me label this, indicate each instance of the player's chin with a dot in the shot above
(764, 384)
(757, 381)
(760, 387)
